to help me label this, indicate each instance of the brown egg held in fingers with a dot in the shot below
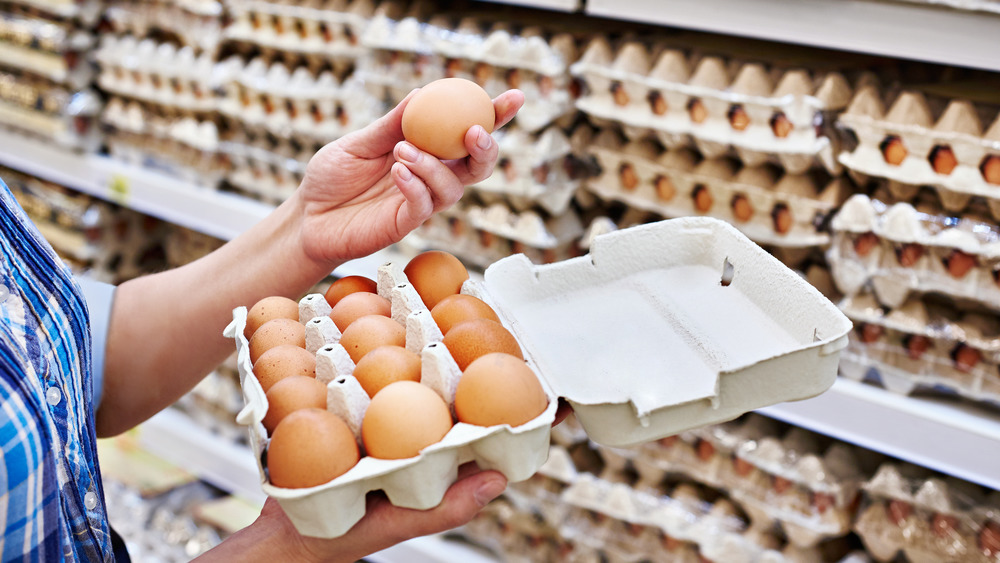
(273, 307)
(439, 115)
(290, 394)
(435, 274)
(276, 332)
(402, 419)
(499, 389)
(310, 447)
(471, 339)
(347, 285)
(385, 365)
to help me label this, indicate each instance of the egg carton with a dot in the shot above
(169, 155)
(195, 23)
(718, 104)
(39, 108)
(928, 518)
(536, 168)
(330, 29)
(267, 174)
(82, 14)
(786, 342)
(788, 479)
(409, 52)
(287, 101)
(55, 50)
(971, 5)
(922, 345)
(900, 251)
(774, 209)
(926, 141)
(157, 73)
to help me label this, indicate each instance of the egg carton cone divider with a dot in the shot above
(670, 326)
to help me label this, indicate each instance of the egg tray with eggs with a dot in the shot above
(728, 326)
(264, 167)
(54, 49)
(283, 100)
(927, 140)
(38, 107)
(331, 31)
(923, 345)
(720, 105)
(770, 207)
(407, 52)
(792, 480)
(169, 76)
(927, 518)
(899, 251)
(537, 169)
(196, 24)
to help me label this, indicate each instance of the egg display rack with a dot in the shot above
(194, 23)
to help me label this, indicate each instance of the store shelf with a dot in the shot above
(561, 5)
(954, 437)
(905, 30)
(432, 549)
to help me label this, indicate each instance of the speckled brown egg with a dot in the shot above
(310, 447)
(347, 285)
(370, 332)
(274, 307)
(461, 307)
(284, 360)
(276, 332)
(291, 394)
(435, 274)
(356, 305)
(499, 389)
(402, 419)
(471, 339)
(385, 365)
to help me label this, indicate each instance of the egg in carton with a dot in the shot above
(542, 492)
(331, 30)
(197, 23)
(912, 144)
(399, 57)
(270, 174)
(789, 339)
(774, 209)
(927, 518)
(535, 169)
(903, 251)
(924, 345)
(762, 114)
(46, 47)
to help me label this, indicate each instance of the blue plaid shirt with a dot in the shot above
(51, 499)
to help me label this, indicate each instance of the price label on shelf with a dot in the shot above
(119, 189)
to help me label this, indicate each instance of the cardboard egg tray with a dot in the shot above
(900, 251)
(268, 175)
(409, 52)
(46, 47)
(691, 295)
(718, 104)
(197, 23)
(328, 33)
(536, 169)
(928, 519)
(917, 346)
(674, 183)
(931, 141)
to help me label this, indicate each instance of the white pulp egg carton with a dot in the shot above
(661, 328)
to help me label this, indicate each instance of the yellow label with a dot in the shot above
(119, 190)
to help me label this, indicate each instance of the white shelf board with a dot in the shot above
(957, 438)
(879, 27)
(219, 214)
(561, 5)
(432, 549)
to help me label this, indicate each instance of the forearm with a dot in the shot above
(165, 332)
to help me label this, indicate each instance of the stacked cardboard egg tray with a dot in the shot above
(918, 260)
(714, 370)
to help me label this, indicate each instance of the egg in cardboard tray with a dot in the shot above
(661, 328)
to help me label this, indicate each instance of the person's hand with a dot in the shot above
(383, 525)
(370, 188)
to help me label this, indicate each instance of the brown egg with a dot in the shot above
(402, 419)
(742, 208)
(697, 110)
(959, 263)
(310, 447)
(499, 389)
(291, 394)
(435, 274)
(864, 243)
(738, 118)
(893, 150)
(781, 125)
(356, 305)
(908, 254)
(385, 365)
(665, 189)
(370, 332)
(703, 199)
(274, 307)
(781, 218)
(627, 177)
(283, 361)
(276, 332)
(461, 307)
(898, 511)
(990, 169)
(439, 115)
(471, 339)
(943, 159)
(348, 285)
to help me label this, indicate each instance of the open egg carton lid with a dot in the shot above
(971, 5)
(802, 195)
(724, 326)
(922, 122)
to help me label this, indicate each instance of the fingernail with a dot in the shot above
(484, 141)
(490, 490)
(408, 152)
(405, 174)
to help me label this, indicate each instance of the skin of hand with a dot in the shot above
(360, 193)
